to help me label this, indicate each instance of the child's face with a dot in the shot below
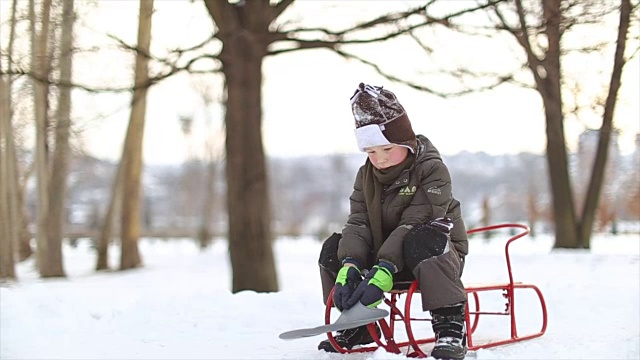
(386, 156)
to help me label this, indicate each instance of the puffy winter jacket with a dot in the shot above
(421, 193)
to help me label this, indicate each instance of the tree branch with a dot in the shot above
(335, 38)
(523, 39)
(92, 89)
(280, 8)
(499, 81)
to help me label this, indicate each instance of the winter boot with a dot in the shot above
(349, 338)
(450, 330)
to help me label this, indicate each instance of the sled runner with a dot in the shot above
(409, 343)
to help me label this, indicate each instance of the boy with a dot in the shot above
(404, 223)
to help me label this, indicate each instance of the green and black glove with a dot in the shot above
(346, 283)
(371, 291)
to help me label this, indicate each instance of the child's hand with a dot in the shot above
(348, 279)
(371, 291)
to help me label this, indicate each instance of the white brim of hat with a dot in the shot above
(370, 136)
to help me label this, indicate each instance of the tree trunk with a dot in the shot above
(247, 185)
(204, 234)
(7, 264)
(532, 210)
(41, 65)
(24, 236)
(597, 176)
(485, 220)
(557, 159)
(7, 228)
(115, 204)
(549, 87)
(244, 32)
(130, 226)
(59, 171)
(12, 220)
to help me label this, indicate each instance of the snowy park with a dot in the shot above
(141, 126)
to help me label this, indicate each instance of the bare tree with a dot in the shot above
(115, 204)
(244, 34)
(132, 172)
(485, 220)
(23, 248)
(14, 91)
(585, 223)
(10, 216)
(533, 214)
(60, 163)
(211, 157)
(41, 69)
(7, 229)
(190, 174)
(51, 175)
(538, 28)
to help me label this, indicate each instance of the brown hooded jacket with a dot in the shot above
(421, 193)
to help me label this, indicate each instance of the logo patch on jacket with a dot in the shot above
(434, 190)
(407, 191)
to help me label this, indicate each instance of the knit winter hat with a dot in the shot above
(380, 119)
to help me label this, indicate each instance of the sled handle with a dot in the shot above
(506, 247)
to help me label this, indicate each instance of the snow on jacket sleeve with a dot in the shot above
(357, 241)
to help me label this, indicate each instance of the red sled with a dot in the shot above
(410, 345)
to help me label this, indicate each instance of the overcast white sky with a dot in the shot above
(306, 96)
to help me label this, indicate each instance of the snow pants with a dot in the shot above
(429, 257)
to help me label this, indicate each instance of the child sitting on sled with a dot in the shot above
(404, 223)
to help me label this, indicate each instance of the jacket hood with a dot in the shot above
(426, 150)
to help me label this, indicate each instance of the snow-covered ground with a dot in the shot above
(179, 306)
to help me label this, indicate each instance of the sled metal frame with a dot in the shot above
(472, 316)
